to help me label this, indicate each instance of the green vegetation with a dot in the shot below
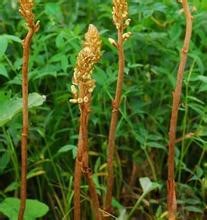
(152, 55)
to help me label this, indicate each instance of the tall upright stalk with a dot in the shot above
(121, 21)
(26, 11)
(172, 204)
(82, 88)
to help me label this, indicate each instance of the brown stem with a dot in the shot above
(77, 180)
(26, 53)
(81, 167)
(78, 165)
(94, 196)
(114, 118)
(172, 205)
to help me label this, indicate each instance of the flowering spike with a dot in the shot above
(25, 10)
(120, 13)
(83, 84)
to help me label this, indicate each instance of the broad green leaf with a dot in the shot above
(11, 106)
(202, 78)
(13, 38)
(34, 209)
(147, 185)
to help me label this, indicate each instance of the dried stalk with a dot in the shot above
(172, 204)
(26, 11)
(82, 87)
(121, 21)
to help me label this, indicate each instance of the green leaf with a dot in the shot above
(34, 209)
(3, 71)
(100, 77)
(13, 38)
(5, 158)
(156, 145)
(59, 41)
(67, 148)
(147, 185)
(203, 87)
(11, 187)
(11, 106)
(160, 7)
(64, 63)
(117, 204)
(122, 215)
(193, 209)
(3, 45)
(53, 10)
(35, 172)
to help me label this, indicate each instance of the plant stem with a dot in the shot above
(94, 196)
(78, 164)
(81, 166)
(26, 53)
(136, 206)
(78, 173)
(151, 164)
(114, 118)
(172, 206)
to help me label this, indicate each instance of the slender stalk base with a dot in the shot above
(82, 167)
(171, 201)
(26, 53)
(114, 118)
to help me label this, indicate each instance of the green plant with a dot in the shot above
(152, 58)
(34, 209)
(147, 186)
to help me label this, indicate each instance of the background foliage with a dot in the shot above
(152, 56)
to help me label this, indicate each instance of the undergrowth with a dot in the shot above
(140, 161)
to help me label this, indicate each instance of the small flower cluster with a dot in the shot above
(120, 19)
(83, 84)
(26, 11)
(120, 13)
